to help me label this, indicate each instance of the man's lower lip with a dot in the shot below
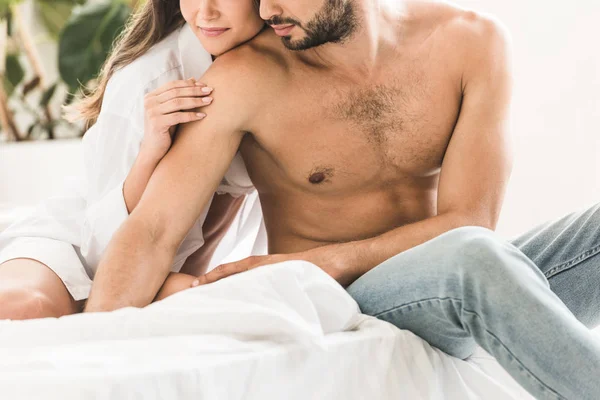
(213, 33)
(284, 31)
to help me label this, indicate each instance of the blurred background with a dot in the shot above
(49, 47)
(556, 108)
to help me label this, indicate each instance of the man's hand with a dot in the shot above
(338, 260)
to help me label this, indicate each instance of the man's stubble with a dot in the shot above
(336, 22)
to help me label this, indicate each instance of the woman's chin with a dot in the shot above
(216, 50)
(219, 49)
(217, 53)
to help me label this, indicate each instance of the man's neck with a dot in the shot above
(359, 56)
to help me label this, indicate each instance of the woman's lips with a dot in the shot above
(213, 32)
(283, 30)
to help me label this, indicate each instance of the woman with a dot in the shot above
(48, 259)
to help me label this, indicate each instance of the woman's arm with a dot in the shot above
(139, 256)
(221, 214)
(163, 111)
(175, 282)
(117, 167)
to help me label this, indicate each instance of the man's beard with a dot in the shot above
(334, 23)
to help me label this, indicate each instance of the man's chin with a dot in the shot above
(296, 44)
(299, 44)
(289, 42)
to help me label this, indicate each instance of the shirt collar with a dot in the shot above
(195, 60)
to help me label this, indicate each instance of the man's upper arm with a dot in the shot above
(478, 161)
(186, 178)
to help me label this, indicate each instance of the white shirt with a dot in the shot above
(93, 206)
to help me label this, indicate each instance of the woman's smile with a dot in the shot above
(213, 32)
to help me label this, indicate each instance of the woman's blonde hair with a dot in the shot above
(149, 24)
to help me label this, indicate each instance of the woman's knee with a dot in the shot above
(22, 303)
(29, 289)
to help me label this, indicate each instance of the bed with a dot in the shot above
(284, 331)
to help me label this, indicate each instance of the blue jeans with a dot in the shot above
(530, 302)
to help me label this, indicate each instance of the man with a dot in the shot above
(379, 147)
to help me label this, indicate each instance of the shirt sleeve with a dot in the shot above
(110, 148)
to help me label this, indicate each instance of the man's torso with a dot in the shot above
(336, 160)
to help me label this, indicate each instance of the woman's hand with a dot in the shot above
(172, 104)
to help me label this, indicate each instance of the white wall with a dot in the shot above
(556, 108)
(43, 165)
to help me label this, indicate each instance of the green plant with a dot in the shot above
(84, 32)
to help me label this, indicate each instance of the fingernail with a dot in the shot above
(207, 99)
(201, 115)
(195, 283)
(206, 90)
(199, 84)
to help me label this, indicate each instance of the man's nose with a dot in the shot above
(208, 10)
(269, 9)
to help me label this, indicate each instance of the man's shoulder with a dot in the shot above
(474, 32)
(459, 25)
(245, 79)
(259, 61)
(474, 40)
(479, 29)
(485, 44)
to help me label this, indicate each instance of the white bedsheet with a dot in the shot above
(285, 331)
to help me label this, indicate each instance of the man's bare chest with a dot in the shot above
(324, 136)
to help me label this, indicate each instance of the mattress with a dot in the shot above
(283, 331)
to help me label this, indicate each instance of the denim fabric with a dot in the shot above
(530, 302)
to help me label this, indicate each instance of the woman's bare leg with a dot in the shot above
(30, 289)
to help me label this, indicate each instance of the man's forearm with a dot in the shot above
(132, 270)
(372, 252)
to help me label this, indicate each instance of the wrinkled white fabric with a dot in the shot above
(70, 232)
(283, 331)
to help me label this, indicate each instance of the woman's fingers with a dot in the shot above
(183, 117)
(153, 98)
(166, 106)
(178, 84)
(187, 91)
(183, 103)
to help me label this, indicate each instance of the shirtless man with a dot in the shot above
(384, 129)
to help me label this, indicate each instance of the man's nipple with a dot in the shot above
(317, 177)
